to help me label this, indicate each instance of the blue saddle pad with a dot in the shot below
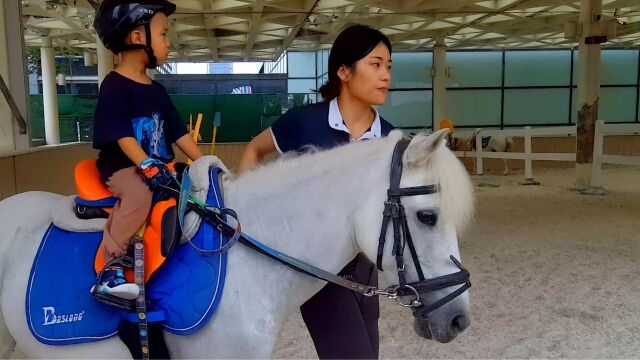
(184, 293)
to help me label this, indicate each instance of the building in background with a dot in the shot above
(221, 68)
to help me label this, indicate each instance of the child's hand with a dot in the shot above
(155, 173)
(113, 250)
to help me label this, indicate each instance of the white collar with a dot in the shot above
(336, 122)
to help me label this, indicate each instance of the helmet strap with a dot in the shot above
(153, 61)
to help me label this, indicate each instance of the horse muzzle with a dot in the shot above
(440, 330)
(442, 326)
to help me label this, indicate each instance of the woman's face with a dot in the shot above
(368, 80)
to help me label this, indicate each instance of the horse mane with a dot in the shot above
(293, 168)
(456, 189)
(456, 192)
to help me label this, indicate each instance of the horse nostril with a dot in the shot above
(459, 323)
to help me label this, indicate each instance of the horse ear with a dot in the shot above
(422, 146)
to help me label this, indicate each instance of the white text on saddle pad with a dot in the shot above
(50, 317)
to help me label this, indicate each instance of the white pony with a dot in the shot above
(495, 143)
(323, 208)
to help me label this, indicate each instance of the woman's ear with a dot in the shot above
(344, 73)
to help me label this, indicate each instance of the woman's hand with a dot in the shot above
(259, 147)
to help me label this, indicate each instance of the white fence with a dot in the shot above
(599, 158)
(528, 155)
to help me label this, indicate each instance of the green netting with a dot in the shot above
(240, 117)
(36, 117)
(74, 112)
(243, 116)
(193, 104)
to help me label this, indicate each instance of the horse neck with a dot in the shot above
(307, 211)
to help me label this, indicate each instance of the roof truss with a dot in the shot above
(260, 30)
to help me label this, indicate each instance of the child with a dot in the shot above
(135, 124)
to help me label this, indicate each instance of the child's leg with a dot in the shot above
(128, 215)
(131, 210)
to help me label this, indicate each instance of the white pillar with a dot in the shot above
(13, 72)
(89, 59)
(439, 82)
(588, 88)
(49, 93)
(105, 60)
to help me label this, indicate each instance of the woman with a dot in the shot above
(343, 324)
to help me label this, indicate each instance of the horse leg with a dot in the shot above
(508, 144)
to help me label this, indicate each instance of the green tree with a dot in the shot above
(33, 59)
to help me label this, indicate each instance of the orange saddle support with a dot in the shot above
(92, 190)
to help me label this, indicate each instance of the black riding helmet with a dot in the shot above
(116, 18)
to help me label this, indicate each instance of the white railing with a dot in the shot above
(527, 133)
(528, 155)
(600, 158)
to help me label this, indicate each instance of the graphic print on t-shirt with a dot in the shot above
(149, 132)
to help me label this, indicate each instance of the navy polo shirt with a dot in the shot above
(319, 125)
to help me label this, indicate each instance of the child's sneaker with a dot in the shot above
(114, 283)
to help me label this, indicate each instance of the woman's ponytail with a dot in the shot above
(331, 89)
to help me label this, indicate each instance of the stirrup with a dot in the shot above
(124, 261)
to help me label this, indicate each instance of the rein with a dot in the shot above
(393, 211)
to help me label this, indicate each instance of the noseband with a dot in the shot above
(394, 211)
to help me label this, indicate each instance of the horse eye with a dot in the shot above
(428, 217)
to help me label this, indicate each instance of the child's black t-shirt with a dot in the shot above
(127, 108)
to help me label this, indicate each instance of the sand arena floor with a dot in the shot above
(555, 275)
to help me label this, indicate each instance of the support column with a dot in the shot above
(588, 88)
(12, 68)
(439, 82)
(49, 93)
(105, 60)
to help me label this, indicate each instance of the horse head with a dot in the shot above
(433, 219)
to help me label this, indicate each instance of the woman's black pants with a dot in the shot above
(344, 324)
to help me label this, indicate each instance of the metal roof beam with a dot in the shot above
(254, 26)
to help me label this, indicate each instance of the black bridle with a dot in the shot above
(394, 211)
